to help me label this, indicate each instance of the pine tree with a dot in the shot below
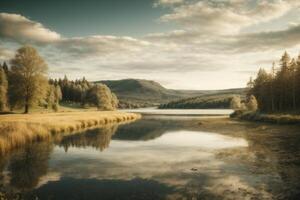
(278, 91)
(3, 90)
(5, 67)
(293, 68)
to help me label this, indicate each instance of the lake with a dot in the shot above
(181, 112)
(170, 157)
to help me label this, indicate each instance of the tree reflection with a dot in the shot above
(98, 138)
(134, 189)
(146, 129)
(28, 165)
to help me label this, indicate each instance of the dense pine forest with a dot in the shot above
(278, 90)
(24, 84)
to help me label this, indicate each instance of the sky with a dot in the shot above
(182, 44)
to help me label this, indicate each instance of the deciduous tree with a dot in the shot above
(28, 77)
(235, 103)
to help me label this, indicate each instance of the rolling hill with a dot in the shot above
(143, 93)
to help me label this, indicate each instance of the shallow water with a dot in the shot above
(160, 158)
(181, 112)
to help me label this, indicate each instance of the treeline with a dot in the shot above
(24, 83)
(215, 101)
(85, 93)
(279, 89)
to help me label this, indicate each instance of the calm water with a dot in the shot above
(160, 158)
(181, 112)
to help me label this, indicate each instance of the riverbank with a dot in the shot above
(268, 118)
(19, 129)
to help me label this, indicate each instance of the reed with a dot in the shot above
(17, 130)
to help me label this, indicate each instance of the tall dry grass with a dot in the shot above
(17, 130)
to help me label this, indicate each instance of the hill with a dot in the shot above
(142, 93)
(202, 102)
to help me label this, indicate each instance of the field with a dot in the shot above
(19, 129)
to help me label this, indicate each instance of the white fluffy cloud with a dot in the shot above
(226, 17)
(21, 29)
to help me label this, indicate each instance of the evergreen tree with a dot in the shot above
(5, 67)
(278, 91)
(3, 90)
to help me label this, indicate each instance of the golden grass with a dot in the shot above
(18, 129)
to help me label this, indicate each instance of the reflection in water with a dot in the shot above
(98, 138)
(160, 159)
(104, 189)
(146, 129)
(28, 165)
(22, 172)
(181, 112)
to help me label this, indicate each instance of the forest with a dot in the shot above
(202, 102)
(278, 90)
(24, 83)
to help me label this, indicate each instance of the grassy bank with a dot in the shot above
(17, 129)
(269, 118)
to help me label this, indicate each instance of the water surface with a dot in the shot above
(181, 112)
(160, 158)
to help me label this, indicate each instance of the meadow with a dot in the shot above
(19, 129)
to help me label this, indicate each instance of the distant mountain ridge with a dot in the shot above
(147, 92)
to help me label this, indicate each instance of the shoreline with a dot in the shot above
(18, 129)
(281, 119)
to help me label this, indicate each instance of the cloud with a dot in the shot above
(23, 30)
(5, 54)
(100, 45)
(226, 17)
(167, 2)
(210, 33)
(264, 41)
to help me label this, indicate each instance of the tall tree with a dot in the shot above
(272, 87)
(5, 67)
(293, 68)
(3, 90)
(28, 70)
(279, 91)
(283, 81)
